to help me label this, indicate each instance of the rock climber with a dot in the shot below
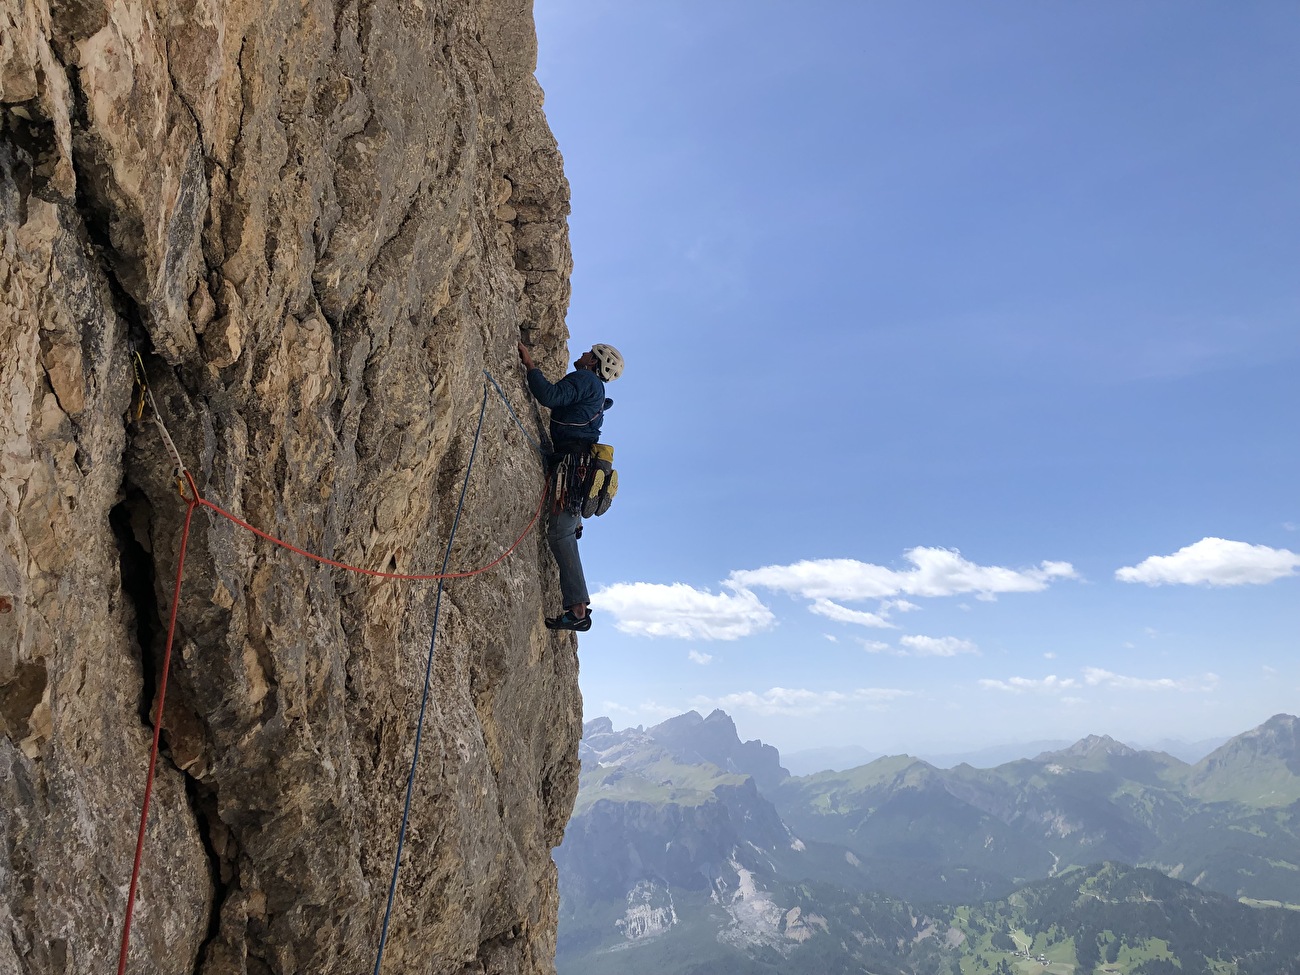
(577, 404)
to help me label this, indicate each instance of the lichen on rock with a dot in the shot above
(316, 224)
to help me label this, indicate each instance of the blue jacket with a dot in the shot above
(576, 402)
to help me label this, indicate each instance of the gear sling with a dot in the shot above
(585, 479)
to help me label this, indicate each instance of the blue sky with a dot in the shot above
(962, 341)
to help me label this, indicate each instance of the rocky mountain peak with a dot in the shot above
(721, 717)
(598, 726)
(1261, 760)
(1278, 737)
(714, 739)
(679, 724)
(1091, 747)
(1281, 730)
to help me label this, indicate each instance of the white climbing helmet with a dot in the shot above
(610, 361)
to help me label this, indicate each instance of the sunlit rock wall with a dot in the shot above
(317, 224)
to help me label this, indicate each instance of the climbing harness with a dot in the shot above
(596, 416)
(189, 492)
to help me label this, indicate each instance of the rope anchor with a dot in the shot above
(145, 394)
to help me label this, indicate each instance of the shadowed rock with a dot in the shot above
(317, 224)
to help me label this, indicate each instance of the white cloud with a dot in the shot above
(1214, 562)
(832, 637)
(700, 658)
(876, 646)
(682, 612)
(935, 572)
(1024, 684)
(1097, 677)
(799, 701)
(1050, 655)
(842, 614)
(937, 646)
(899, 605)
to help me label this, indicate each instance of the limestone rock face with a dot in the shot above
(310, 226)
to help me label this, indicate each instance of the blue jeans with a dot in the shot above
(562, 534)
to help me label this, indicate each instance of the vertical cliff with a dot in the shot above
(317, 223)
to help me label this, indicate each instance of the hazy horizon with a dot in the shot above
(1023, 747)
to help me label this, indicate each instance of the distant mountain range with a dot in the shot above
(837, 758)
(688, 844)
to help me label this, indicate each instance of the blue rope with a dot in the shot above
(502, 394)
(428, 669)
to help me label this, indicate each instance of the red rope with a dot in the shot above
(195, 500)
(157, 732)
(373, 572)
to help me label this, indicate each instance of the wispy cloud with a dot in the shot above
(877, 646)
(800, 701)
(915, 645)
(937, 646)
(1214, 562)
(1025, 684)
(1097, 677)
(682, 612)
(700, 658)
(842, 614)
(934, 572)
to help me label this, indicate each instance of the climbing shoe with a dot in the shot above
(567, 621)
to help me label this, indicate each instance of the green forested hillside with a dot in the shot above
(675, 862)
(1228, 823)
(1109, 919)
(1137, 920)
